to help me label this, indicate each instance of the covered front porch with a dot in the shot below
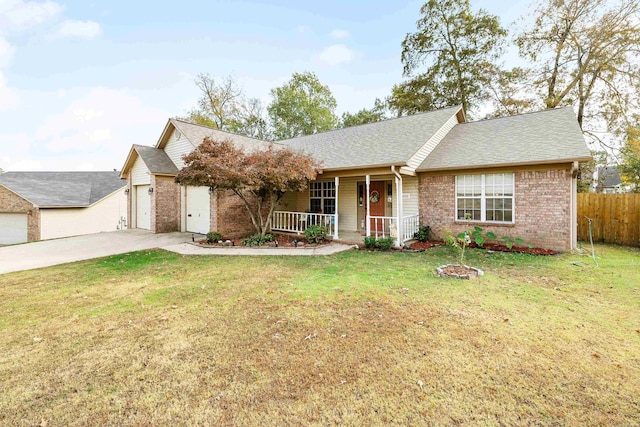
(352, 205)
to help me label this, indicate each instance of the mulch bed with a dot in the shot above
(490, 247)
(284, 241)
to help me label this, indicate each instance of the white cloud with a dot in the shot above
(77, 29)
(6, 52)
(8, 97)
(339, 34)
(335, 54)
(18, 15)
(303, 29)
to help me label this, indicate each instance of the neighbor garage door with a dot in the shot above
(13, 228)
(198, 216)
(143, 207)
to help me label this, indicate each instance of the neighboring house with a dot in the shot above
(48, 205)
(608, 180)
(514, 176)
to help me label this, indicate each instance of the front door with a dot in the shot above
(376, 205)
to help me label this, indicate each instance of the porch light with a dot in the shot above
(150, 191)
(126, 192)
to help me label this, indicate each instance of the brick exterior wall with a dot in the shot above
(231, 216)
(165, 205)
(542, 208)
(11, 202)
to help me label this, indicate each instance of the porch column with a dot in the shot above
(399, 211)
(335, 226)
(368, 219)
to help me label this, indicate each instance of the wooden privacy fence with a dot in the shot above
(616, 218)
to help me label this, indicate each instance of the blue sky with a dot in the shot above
(81, 81)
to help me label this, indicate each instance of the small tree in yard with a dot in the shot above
(259, 179)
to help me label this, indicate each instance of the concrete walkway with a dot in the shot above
(70, 249)
(61, 251)
(189, 249)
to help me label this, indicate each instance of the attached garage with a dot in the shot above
(13, 228)
(197, 209)
(143, 207)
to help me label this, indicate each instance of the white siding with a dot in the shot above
(140, 173)
(417, 159)
(410, 188)
(105, 215)
(177, 147)
(348, 204)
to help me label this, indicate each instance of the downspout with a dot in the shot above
(575, 167)
(399, 208)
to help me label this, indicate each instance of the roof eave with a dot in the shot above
(164, 136)
(128, 164)
(510, 164)
(381, 165)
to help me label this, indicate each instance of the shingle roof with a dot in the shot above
(62, 189)
(197, 133)
(156, 160)
(543, 137)
(387, 142)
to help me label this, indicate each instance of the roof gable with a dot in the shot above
(389, 142)
(195, 134)
(549, 136)
(62, 189)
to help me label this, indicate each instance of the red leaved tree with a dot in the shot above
(259, 179)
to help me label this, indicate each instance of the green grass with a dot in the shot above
(359, 338)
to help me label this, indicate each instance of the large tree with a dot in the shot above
(223, 105)
(630, 160)
(302, 106)
(585, 53)
(448, 59)
(367, 115)
(259, 179)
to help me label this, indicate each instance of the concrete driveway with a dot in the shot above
(70, 249)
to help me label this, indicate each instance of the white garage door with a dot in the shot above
(197, 209)
(143, 207)
(13, 228)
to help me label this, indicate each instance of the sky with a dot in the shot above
(81, 81)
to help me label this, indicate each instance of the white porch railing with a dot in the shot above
(383, 226)
(410, 225)
(297, 222)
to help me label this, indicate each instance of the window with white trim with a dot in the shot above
(485, 198)
(322, 197)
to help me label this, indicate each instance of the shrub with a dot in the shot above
(213, 237)
(315, 233)
(257, 240)
(423, 234)
(370, 242)
(384, 243)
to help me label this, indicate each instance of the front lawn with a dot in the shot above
(360, 338)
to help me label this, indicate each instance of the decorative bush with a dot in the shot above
(315, 233)
(257, 240)
(384, 243)
(370, 242)
(213, 237)
(423, 234)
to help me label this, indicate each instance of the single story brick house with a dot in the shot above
(48, 205)
(514, 176)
